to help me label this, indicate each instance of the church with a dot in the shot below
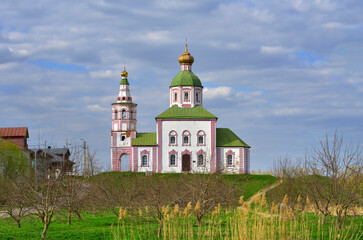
(186, 137)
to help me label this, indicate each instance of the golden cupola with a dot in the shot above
(186, 58)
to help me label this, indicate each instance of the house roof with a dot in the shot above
(144, 139)
(14, 132)
(227, 138)
(176, 112)
(58, 151)
(186, 78)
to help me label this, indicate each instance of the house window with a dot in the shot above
(229, 159)
(123, 114)
(186, 96)
(185, 140)
(175, 96)
(172, 159)
(172, 139)
(200, 160)
(144, 160)
(200, 139)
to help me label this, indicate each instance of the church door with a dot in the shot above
(186, 163)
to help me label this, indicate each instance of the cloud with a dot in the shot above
(218, 92)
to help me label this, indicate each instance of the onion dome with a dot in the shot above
(186, 58)
(186, 78)
(124, 75)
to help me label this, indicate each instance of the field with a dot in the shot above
(257, 220)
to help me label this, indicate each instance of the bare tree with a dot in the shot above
(334, 176)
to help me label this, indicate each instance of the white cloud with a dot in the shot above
(274, 50)
(340, 26)
(217, 92)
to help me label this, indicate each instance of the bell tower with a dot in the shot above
(123, 128)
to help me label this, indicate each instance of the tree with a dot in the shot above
(333, 176)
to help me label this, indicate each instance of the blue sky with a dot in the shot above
(280, 74)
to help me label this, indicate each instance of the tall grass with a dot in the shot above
(248, 221)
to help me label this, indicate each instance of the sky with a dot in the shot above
(280, 73)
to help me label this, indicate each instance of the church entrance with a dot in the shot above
(125, 163)
(186, 163)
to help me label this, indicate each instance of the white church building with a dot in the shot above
(186, 137)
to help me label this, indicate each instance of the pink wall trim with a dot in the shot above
(219, 159)
(241, 160)
(116, 157)
(154, 160)
(186, 105)
(247, 162)
(135, 158)
(186, 151)
(186, 133)
(213, 146)
(159, 124)
(176, 138)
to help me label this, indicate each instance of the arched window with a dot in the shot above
(175, 96)
(144, 160)
(201, 138)
(186, 138)
(229, 160)
(186, 96)
(197, 97)
(123, 137)
(123, 114)
(173, 138)
(200, 159)
(115, 115)
(172, 160)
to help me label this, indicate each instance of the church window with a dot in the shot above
(200, 160)
(172, 159)
(186, 96)
(197, 97)
(123, 138)
(172, 138)
(201, 138)
(123, 114)
(175, 96)
(229, 159)
(115, 115)
(186, 138)
(144, 160)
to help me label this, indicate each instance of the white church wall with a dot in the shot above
(193, 126)
(237, 154)
(148, 151)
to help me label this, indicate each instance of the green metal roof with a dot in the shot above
(227, 138)
(186, 78)
(176, 112)
(144, 139)
(124, 81)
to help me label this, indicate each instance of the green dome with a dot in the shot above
(186, 78)
(124, 81)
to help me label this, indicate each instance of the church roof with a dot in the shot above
(144, 139)
(124, 81)
(176, 112)
(227, 138)
(186, 78)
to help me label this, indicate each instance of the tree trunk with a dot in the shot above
(69, 218)
(46, 225)
(199, 220)
(324, 218)
(78, 215)
(18, 222)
